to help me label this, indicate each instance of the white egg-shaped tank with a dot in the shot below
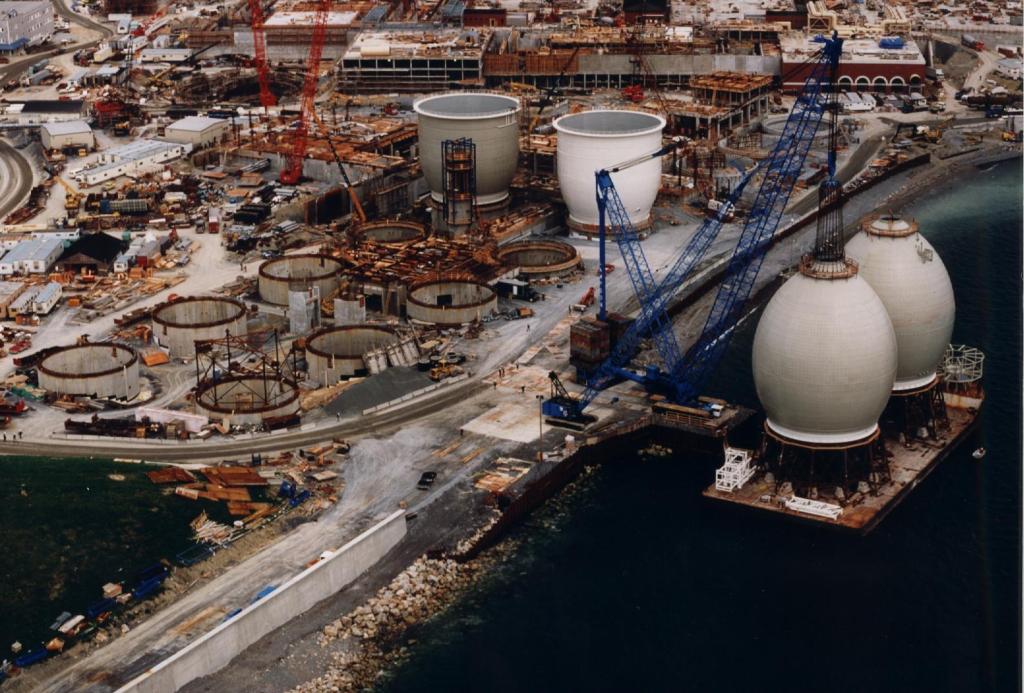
(490, 120)
(824, 360)
(908, 275)
(592, 140)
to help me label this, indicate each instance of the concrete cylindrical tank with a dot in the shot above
(247, 399)
(590, 141)
(282, 275)
(824, 360)
(538, 259)
(450, 302)
(334, 353)
(178, 325)
(910, 278)
(100, 370)
(490, 120)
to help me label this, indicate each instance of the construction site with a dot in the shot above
(294, 231)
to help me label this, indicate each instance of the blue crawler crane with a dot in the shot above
(684, 375)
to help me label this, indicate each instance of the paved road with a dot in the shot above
(375, 424)
(15, 178)
(15, 68)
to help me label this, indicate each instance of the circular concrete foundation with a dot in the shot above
(450, 302)
(334, 353)
(296, 273)
(178, 325)
(247, 399)
(95, 370)
(393, 233)
(540, 259)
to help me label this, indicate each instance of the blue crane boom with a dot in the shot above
(684, 376)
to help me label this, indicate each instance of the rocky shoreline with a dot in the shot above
(369, 640)
(373, 637)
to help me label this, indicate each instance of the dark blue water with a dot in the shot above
(636, 583)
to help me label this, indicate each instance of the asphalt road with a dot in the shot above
(376, 424)
(15, 178)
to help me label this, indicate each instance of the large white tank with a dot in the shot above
(908, 275)
(824, 359)
(592, 140)
(490, 120)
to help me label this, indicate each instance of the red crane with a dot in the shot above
(259, 40)
(292, 172)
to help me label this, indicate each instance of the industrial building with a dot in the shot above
(24, 23)
(198, 131)
(867, 65)
(72, 134)
(91, 254)
(32, 256)
(131, 159)
(38, 111)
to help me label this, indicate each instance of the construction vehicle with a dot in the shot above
(291, 174)
(682, 378)
(259, 39)
(549, 95)
(357, 206)
(72, 199)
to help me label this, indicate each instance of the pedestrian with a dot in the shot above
(21, 434)
(462, 432)
(495, 384)
(523, 389)
(337, 417)
(527, 327)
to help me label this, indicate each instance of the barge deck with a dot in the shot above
(908, 466)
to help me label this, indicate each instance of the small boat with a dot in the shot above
(979, 453)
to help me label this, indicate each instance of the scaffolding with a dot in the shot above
(458, 180)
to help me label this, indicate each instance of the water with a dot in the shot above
(68, 528)
(636, 583)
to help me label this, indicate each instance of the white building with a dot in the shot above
(72, 133)
(32, 256)
(164, 55)
(47, 298)
(24, 23)
(141, 156)
(199, 131)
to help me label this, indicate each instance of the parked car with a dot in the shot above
(426, 480)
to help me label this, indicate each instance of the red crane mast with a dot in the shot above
(292, 172)
(259, 40)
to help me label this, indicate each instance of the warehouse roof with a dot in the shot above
(33, 249)
(196, 123)
(98, 246)
(68, 127)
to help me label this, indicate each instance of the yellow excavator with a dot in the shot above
(72, 198)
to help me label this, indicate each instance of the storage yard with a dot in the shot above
(304, 252)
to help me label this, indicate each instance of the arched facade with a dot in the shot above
(880, 85)
(863, 84)
(897, 84)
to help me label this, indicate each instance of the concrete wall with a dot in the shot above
(238, 396)
(216, 649)
(469, 302)
(297, 273)
(88, 364)
(344, 347)
(229, 316)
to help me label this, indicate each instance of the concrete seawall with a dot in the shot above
(217, 648)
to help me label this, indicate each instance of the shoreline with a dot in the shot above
(375, 661)
(914, 184)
